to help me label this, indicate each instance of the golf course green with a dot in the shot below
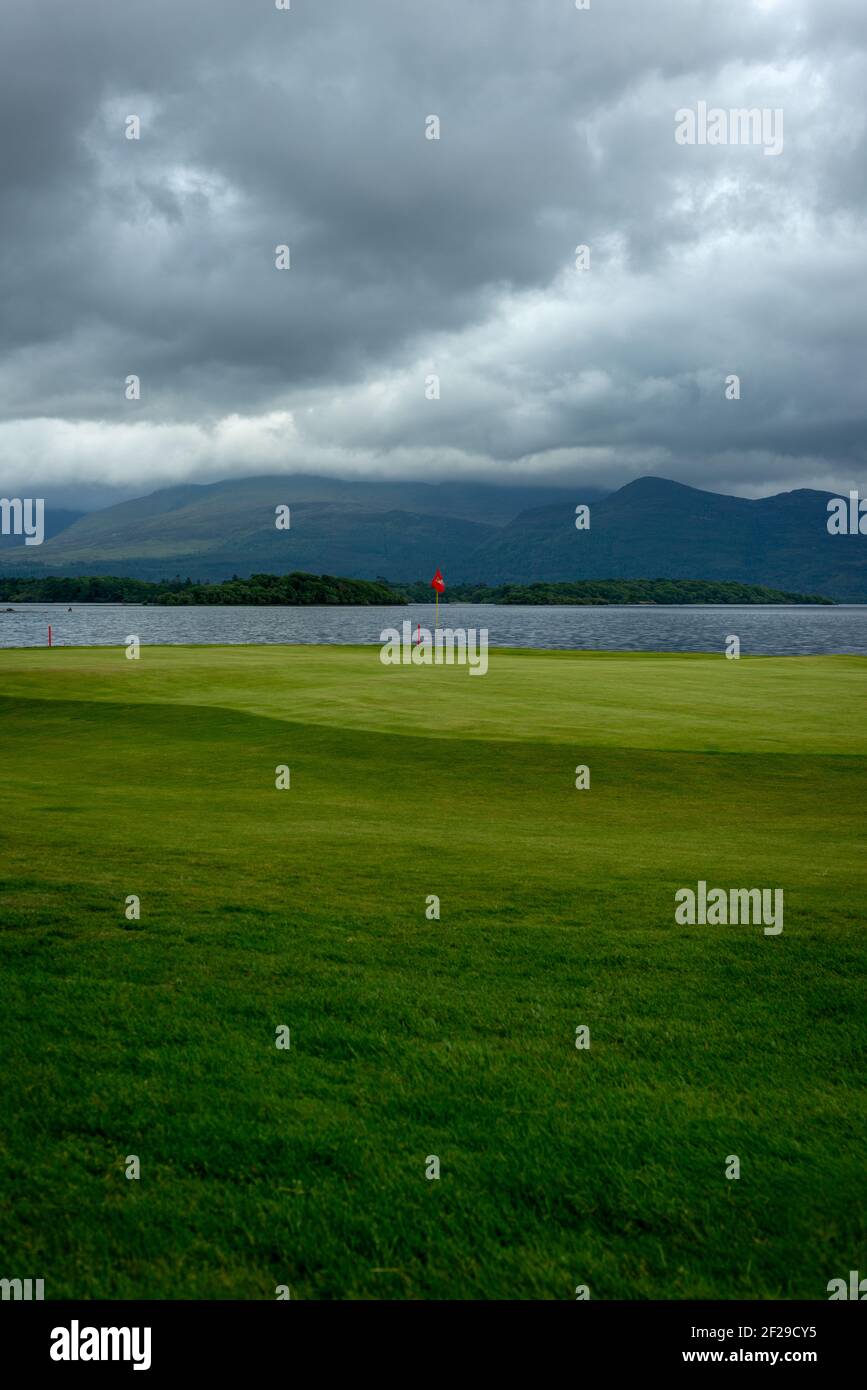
(307, 909)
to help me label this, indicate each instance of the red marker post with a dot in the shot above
(439, 584)
(49, 634)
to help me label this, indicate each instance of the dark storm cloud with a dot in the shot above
(156, 257)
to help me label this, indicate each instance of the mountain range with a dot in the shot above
(403, 531)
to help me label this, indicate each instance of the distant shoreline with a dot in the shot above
(299, 590)
(23, 605)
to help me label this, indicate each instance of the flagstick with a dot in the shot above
(437, 592)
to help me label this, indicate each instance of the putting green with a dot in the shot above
(411, 1037)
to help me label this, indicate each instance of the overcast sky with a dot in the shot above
(410, 256)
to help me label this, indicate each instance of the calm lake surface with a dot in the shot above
(796, 631)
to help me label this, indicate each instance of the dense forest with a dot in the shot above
(302, 590)
(612, 591)
(297, 590)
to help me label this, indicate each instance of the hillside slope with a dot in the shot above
(655, 528)
(651, 528)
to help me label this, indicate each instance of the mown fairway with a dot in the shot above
(411, 1037)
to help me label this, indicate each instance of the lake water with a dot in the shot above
(796, 631)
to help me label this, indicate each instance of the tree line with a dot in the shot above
(301, 590)
(597, 592)
(296, 589)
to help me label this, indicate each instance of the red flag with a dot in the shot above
(438, 582)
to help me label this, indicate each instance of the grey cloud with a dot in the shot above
(259, 127)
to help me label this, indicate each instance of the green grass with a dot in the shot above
(410, 1037)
